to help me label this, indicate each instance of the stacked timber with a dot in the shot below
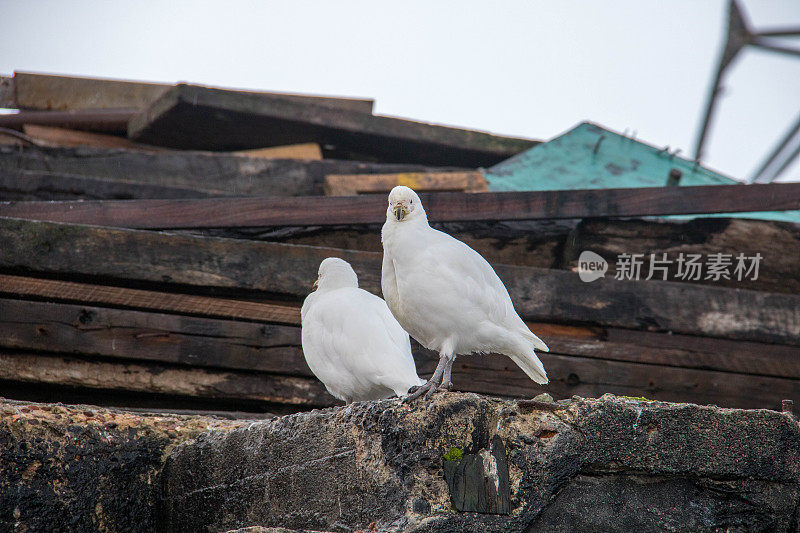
(161, 263)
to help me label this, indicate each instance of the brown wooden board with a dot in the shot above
(354, 184)
(132, 335)
(149, 378)
(603, 343)
(27, 185)
(778, 243)
(166, 338)
(225, 173)
(201, 118)
(442, 207)
(103, 120)
(590, 377)
(538, 243)
(7, 100)
(149, 337)
(141, 299)
(289, 271)
(290, 151)
(58, 92)
(63, 137)
(559, 243)
(593, 378)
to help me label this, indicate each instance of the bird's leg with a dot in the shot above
(431, 385)
(448, 370)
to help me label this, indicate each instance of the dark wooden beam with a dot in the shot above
(217, 174)
(187, 304)
(778, 243)
(50, 91)
(165, 338)
(83, 327)
(22, 185)
(592, 377)
(256, 268)
(105, 120)
(327, 211)
(201, 118)
(149, 378)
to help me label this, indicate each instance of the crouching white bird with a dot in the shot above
(351, 341)
(447, 296)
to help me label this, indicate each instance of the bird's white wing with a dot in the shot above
(464, 281)
(389, 281)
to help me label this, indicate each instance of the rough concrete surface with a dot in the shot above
(84, 468)
(605, 465)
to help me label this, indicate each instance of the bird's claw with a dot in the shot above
(416, 391)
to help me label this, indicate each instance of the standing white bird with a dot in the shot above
(351, 341)
(447, 296)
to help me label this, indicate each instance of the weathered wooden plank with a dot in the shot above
(49, 91)
(162, 257)
(183, 340)
(162, 379)
(230, 345)
(778, 243)
(290, 151)
(654, 305)
(559, 243)
(538, 243)
(227, 344)
(202, 118)
(593, 377)
(27, 185)
(7, 93)
(355, 184)
(142, 299)
(104, 120)
(371, 209)
(671, 349)
(63, 137)
(63, 93)
(230, 174)
(289, 270)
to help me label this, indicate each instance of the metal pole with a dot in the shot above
(775, 153)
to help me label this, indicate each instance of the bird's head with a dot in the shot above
(335, 273)
(404, 204)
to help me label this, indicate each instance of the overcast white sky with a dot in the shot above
(528, 68)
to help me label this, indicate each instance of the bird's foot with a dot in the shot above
(445, 387)
(427, 388)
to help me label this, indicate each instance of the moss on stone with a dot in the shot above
(453, 454)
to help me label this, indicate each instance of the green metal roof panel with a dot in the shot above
(592, 157)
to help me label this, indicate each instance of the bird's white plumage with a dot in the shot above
(446, 295)
(351, 341)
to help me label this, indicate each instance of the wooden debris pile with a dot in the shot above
(157, 241)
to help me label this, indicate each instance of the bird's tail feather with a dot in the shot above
(531, 365)
(537, 342)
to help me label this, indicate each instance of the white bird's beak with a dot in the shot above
(316, 285)
(400, 212)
